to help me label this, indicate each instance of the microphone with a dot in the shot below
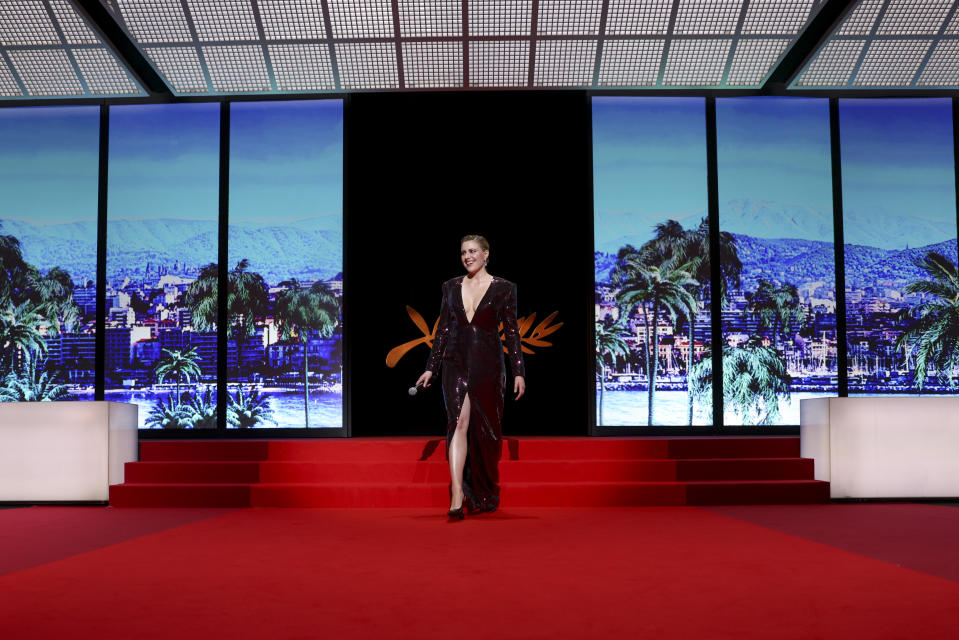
(414, 390)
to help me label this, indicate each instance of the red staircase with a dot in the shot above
(413, 472)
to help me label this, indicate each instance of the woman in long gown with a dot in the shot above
(468, 346)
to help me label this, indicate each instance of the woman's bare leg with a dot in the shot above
(458, 454)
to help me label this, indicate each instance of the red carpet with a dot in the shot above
(412, 472)
(673, 572)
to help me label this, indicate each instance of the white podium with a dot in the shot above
(64, 451)
(875, 447)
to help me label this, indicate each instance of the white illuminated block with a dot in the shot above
(237, 68)
(630, 63)
(302, 67)
(499, 63)
(181, 68)
(776, 17)
(75, 30)
(26, 23)
(753, 60)
(59, 451)
(638, 17)
(103, 74)
(943, 66)
(8, 84)
(891, 63)
(46, 72)
(367, 65)
(292, 19)
(694, 63)
(433, 64)
(155, 20)
(219, 20)
(716, 17)
(361, 18)
(833, 65)
(430, 18)
(500, 17)
(564, 63)
(914, 17)
(566, 18)
(879, 447)
(862, 19)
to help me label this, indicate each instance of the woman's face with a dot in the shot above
(473, 256)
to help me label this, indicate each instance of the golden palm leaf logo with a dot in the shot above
(534, 339)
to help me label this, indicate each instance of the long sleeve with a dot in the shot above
(511, 334)
(442, 336)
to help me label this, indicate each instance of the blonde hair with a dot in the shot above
(480, 240)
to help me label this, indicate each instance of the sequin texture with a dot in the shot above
(470, 357)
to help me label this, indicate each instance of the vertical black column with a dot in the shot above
(223, 271)
(955, 152)
(590, 297)
(716, 275)
(839, 245)
(99, 357)
(347, 370)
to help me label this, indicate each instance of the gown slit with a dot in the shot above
(470, 354)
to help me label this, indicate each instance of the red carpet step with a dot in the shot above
(412, 472)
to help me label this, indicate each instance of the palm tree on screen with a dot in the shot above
(776, 308)
(659, 290)
(609, 341)
(300, 311)
(20, 334)
(52, 293)
(31, 387)
(246, 409)
(754, 377)
(201, 409)
(181, 364)
(934, 332)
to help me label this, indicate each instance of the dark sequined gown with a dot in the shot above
(471, 355)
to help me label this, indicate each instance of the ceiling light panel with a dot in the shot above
(833, 65)
(181, 66)
(629, 63)
(776, 17)
(223, 20)
(953, 27)
(564, 63)
(861, 20)
(715, 17)
(150, 21)
(292, 19)
(638, 17)
(46, 72)
(102, 73)
(429, 65)
(753, 59)
(367, 65)
(891, 63)
(239, 68)
(426, 18)
(74, 29)
(569, 17)
(914, 17)
(500, 17)
(696, 63)
(8, 84)
(498, 63)
(302, 67)
(943, 66)
(26, 22)
(361, 18)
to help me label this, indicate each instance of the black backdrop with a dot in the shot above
(424, 169)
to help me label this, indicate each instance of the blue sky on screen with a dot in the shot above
(774, 149)
(48, 163)
(164, 161)
(649, 158)
(897, 162)
(286, 161)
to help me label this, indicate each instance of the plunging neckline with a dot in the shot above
(478, 304)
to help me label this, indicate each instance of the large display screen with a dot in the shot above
(776, 218)
(48, 238)
(286, 264)
(652, 294)
(163, 207)
(899, 224)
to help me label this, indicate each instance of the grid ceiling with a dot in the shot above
(289, 46)
(889, 44)
(48, 50)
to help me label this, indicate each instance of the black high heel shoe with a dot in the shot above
(456, 514)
